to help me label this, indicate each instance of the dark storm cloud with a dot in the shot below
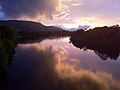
(29, 8)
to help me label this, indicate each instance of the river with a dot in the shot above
(56, 64)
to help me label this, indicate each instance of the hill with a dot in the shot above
(29, 25)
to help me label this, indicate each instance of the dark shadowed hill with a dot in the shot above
(29, 25)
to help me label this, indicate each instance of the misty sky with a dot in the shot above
(68, 13)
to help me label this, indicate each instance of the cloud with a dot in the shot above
(96, 8)
(29, 9)
(102, 12)
(41, 67)
(76, 4)
(63, 12)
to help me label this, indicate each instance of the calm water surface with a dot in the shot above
(56, 64)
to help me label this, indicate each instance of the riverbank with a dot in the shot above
(8, 39)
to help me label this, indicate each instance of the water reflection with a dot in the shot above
(104, 51)
(41, 66)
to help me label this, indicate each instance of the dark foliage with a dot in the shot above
(8, 37)
(105, 41)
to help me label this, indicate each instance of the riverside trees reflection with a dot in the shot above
(105, 41)
(103, 51)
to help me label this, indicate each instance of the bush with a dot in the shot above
(3, 57)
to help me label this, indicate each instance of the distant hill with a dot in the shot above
(29, 25)
(80, 27)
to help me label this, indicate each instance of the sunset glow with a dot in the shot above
(67, 13)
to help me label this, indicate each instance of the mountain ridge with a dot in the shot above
(29, 25)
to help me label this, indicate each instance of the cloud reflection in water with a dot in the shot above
(39, 67)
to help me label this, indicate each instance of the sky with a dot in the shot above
(64, 13)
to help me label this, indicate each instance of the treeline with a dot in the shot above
(8, 38)
(104, 34)
(105, 41)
